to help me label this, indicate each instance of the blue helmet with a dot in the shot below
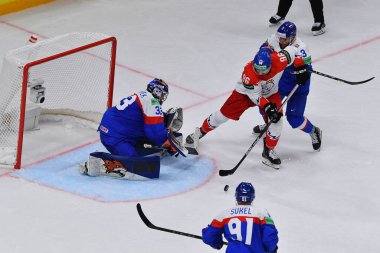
(287, 29)
(262, 61)
(159, 89)
(245, 193)
(288, 32)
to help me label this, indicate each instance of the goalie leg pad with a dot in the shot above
(124, 167)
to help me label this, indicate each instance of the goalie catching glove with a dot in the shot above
(174, 119)
(174, 144)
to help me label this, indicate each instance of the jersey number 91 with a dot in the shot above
(235, 226)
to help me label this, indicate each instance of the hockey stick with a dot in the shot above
(224, 173)
(338, 79)
(150, 225)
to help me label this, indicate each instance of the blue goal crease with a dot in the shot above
(177, 175)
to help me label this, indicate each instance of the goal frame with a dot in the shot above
(26, 68)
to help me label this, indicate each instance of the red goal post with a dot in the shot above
(76, 72)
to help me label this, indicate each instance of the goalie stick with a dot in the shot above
(224, 173)
(150, 225)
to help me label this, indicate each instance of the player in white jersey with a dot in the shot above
(287, 36)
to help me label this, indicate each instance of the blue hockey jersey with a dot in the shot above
(288, 79)
(247, 229)
(137, 118)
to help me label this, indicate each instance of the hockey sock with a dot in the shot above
(213, 121)
(270, 143)
(205, 128)
(308, 126)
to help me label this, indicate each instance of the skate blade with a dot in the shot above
(277, 24)
(316, 33)
(268, 163)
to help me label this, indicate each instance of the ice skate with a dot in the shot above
(92, 167)
(318, 28)
(316, 138)
(192, 141)
(83, 169)
(270, 157)
(275, 20)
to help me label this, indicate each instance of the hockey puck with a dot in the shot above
(226, 187)
(33, 39)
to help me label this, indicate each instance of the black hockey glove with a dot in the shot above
(271, 110)
(302, 75)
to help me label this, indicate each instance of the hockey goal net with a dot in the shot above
(71, 74)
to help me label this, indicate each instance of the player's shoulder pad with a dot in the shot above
(223, 214)
(299, 43)
(290, 53)
(147, 98)
(273, 42)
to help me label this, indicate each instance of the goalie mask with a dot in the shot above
(159, 89)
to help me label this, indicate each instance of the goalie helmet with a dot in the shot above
(245, 193)
(159, 89)
(286, 34)
(262, 61)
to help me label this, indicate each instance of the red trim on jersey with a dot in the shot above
(298, 62)
(217, 224)
(153, 120)
(220, 224)
(149, 119)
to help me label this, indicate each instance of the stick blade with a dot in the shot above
(143, 217)
(224, 173)
(360, 82)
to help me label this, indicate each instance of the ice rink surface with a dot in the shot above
(324, 201)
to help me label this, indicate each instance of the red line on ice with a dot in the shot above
(117, 64)
(206, 100)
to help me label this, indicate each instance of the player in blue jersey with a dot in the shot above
(246, 227)
(287, 36)
(135, 123)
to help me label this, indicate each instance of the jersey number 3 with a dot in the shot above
(125, 102)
